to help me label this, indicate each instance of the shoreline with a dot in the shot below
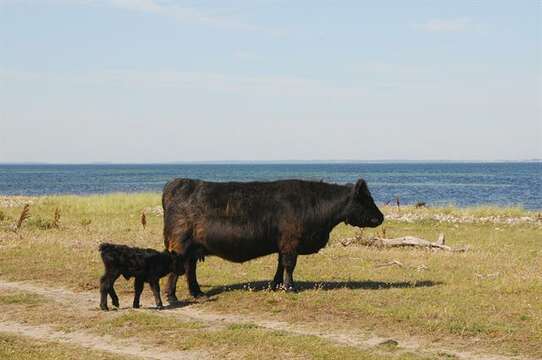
(483, 213)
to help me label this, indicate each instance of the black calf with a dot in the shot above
(146, 265)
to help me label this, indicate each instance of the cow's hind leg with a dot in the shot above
(171, 288)
(177, 245)
(289, 261)
(279, 274)
(190, 264)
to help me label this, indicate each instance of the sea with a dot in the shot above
(435, 183)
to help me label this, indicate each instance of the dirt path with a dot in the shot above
(94, 342)
(363, 341)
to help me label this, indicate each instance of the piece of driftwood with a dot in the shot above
(419, 268)
(390, 263)
(405, 241)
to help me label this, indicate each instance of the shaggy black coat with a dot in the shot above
(146, 265)
(242, 221)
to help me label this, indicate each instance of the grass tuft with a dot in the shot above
(143, 220)
(25, 214)
(56, 219)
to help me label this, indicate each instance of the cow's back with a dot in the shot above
(235, 220)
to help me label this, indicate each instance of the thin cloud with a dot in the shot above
(262, 85)
(461, 24)
(184, 14)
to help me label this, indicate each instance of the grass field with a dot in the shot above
(487, 300)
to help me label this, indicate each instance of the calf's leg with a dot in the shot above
(138, 288)
(155, 287)
(113, 294)
(106, 287)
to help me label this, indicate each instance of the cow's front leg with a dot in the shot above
(190, 270)
(279, 274)
(289, 261)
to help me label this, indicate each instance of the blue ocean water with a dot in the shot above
(462, 184)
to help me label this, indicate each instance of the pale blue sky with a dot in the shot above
(161, 81)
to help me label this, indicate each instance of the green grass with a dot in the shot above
(489, 298)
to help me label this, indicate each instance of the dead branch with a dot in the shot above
(405, 241)
(390, 263)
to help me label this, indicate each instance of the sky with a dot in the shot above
(164, 81)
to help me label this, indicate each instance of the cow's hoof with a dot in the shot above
(290, 288)
(198, 294)
(275, 285)
(160, 307)
(136, 306)
(172, 300)
(116, 304)
(104, 307)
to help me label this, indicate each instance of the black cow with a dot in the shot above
(242, 221)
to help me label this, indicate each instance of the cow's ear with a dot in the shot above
(361, 187)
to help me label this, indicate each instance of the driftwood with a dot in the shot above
(419, 268)
(405, 241)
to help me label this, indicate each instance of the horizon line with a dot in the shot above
(277, 162)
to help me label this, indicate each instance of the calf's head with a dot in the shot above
(176, 264)
(361, 210)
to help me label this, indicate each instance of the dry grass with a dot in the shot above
(56, 219)
(21, 348)
(476, 211)
(158, 329)
(25, 214)
(489, 298)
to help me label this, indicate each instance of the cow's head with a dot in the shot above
(362, 210)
